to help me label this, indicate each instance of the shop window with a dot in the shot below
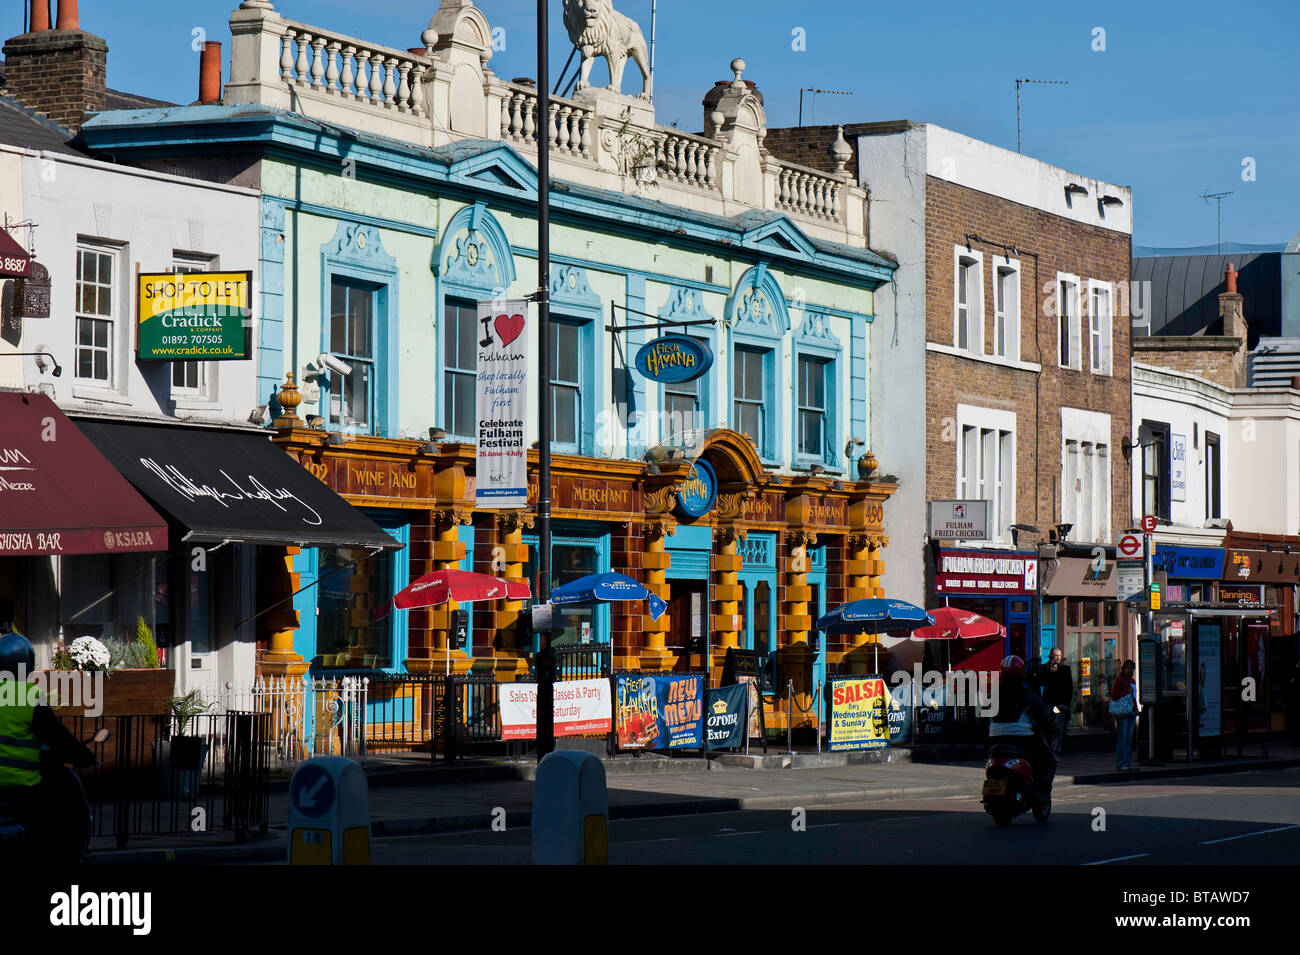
(566, 386)
(1154, 438)
(351, 590)
(1067, 332)
(986, 463)
(96, 312)
(812, 407)
(1099, 327)
(352, 339)
(1111, 609)
(460, 364)
(104, 595)
(749, 390)
(1213, 476)
(681, 405)
(572, 623)
(762, 618)
(190, 378)
(968, 311)
(1006, 310)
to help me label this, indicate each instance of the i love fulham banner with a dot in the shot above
(501, 404)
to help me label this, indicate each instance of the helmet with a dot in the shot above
(15, 649)
(1013, 665)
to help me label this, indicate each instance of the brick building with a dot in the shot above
(1004, 342)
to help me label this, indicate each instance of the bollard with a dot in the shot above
(329, 813)
(818, 712)
(570, 810)
(789, 717)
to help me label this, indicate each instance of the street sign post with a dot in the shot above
(1149, 524)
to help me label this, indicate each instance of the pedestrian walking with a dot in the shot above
(1293, 705)
(1123, 706)
(1056, 687)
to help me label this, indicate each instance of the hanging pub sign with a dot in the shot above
(501, 405)
(695, 495)
(194, 316)
(674, 358)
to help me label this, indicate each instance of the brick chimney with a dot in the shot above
(1234, 322)
(61, 72)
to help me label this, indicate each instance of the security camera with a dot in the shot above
(325, 360)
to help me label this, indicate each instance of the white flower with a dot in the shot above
(88, 653)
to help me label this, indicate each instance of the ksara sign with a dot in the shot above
(198, 316)
(674, 358)
(959, 520)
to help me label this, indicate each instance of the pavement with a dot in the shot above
(410, 795)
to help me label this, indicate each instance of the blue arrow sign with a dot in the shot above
(312, 791)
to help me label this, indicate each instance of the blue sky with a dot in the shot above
(1183, 93)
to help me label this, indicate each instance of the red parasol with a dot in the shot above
(458, 585)
(953, 623)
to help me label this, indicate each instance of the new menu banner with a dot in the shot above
(582, 708)
(660, 712)
(501, 403)
(859, 717)
(194, 316)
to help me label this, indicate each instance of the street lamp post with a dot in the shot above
(545, 657)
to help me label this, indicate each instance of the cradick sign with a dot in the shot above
(674, 358)
(695, 495)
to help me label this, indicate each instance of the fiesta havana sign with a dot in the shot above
(674, 358)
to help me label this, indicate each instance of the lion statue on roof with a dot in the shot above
(598, 30)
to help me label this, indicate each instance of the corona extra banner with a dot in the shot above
(725, 720)
(194, 316)
(660, 712)
(859, 717)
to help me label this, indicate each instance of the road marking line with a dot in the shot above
(639, 842)
(1247, 835)
(724, 835)
(1117, 859)
(826, 825)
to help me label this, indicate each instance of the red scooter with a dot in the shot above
(1009, 786)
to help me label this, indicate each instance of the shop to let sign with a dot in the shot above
(196, 316)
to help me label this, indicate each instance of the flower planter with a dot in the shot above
(125, 692)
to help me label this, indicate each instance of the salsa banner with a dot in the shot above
(660, 712)
(725, 726)
(859, 719)
(582, 708)
(194, 316)
(501, 403)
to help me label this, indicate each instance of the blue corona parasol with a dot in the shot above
(605, 588)
(876, 615)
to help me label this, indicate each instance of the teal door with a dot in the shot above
(757, 578)
(816, 609)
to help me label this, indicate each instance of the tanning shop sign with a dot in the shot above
(194, 316)
(501, 403)
(859, 719)
(660, 712)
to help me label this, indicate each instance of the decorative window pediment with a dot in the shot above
(571, 291)
(359, 244)
(474, 256)
(758, 305)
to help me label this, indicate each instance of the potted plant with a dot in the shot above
(179, 758)
(134, 684)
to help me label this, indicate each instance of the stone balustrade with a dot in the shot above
(445, 93)
(336, 65)
(805, 191)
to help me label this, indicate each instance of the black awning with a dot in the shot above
(232, 486)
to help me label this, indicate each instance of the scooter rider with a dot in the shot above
(1023, 720)
(27, 726)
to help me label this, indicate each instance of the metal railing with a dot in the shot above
(150, 782)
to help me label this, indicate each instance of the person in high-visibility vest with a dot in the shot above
(27, 726)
